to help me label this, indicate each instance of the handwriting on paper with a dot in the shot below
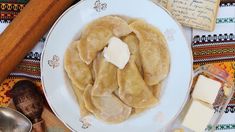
(164, 3)
(195, 13)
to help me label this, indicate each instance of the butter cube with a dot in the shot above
(227, 90)
(206, 89)
(117, 52)
(198, 116)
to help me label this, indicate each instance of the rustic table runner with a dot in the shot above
(218, 48)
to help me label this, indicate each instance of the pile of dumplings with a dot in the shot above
(111, 94)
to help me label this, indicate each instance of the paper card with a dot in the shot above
(161, 2)
(164, 3)
(199, 14)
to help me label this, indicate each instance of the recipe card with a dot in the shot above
(161, 2)
(164, 3)
(199, 14)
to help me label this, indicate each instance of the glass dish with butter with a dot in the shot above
(210, 94)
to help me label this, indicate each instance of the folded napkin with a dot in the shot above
(216, 47)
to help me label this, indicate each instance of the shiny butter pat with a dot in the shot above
(117, 52)
(206, 89)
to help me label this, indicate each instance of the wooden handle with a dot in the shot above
(26, 30)
(39, 127)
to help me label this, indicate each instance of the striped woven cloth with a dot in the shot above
(216, 48)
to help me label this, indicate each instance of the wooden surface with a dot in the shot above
(53, 124)
(26, 30)
(227, 1)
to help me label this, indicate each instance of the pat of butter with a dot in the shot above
(206, 89)
(227, 90)
(198, 116)
(117, 52)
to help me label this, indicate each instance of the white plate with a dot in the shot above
(56, 85)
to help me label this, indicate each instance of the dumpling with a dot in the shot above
(79, 94)
(90, 45)
(136, 111)
(77, 71)
(133, 44)
(87, 100)
(154, 52)
(111, 109)
(107, 108)
(156, 89)
(133, 91)
(96, 65)
(96, 35)
(105, 77)
(127, 19)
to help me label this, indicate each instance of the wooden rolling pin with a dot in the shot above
(26, 30)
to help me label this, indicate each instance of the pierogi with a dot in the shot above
(153, 52)
(132, 89)
(96, 35)
(102, 89)
(106, 77)
(133, 43)
(77, 71)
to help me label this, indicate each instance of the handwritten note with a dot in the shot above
(161, 2)
(195, 13)
(164, 3)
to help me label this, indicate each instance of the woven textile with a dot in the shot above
(218, 48)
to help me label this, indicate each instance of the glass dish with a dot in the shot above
(220, 104)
